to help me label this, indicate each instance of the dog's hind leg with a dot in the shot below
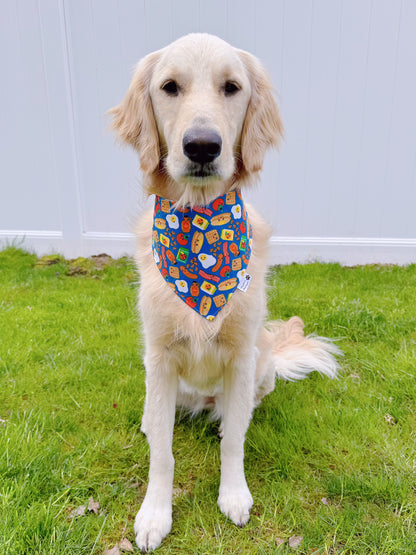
(234, 498)
(154, 520)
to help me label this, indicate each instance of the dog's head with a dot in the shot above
(200, 113)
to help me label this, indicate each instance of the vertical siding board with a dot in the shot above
(131, 36)
(351, 86)
(378, 101)
(78, 28)
(10, 97)
(60, 119)
(213, 17)
(95, 51)
(100, 199)
(159, 31)
(185, 17)
(396, 215)
(269, 37)
(131, 23)
(95, 185)
(322, 79)
(295, 93)
(129, 41)
(268, 47)
(241, 30)
(28, 167)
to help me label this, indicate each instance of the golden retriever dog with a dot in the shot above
(201, 115)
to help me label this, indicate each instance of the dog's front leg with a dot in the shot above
(154, 520)
(234, 499)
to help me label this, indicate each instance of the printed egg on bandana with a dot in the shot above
(181, 285)
(207, 260)
(173, 221)
(236, 210)
(241, 274)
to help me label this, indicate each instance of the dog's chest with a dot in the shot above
(201, 365)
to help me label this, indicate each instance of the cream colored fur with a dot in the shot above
(230, 363)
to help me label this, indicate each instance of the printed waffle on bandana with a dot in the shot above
(203, 252)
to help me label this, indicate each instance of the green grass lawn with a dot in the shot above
(331, 461)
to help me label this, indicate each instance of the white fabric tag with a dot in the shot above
(244, 282)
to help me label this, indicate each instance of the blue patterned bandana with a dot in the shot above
(203, 252)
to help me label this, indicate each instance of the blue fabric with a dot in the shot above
(202, 252)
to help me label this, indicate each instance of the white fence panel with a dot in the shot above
(344, 184)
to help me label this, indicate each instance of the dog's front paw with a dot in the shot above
(236, 504)
(153, 522)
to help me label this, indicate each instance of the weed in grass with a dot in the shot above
(71, 397)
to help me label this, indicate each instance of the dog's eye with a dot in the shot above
(230, 88)
(170, 88)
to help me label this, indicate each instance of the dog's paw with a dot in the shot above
(153, 522)
(236, 504)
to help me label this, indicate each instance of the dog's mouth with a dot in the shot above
(202, 171)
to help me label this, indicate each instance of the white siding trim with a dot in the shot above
(31, 234)
(283, 250)
(344, 250)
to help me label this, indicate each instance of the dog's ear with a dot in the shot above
(263, 127)
(133, 119)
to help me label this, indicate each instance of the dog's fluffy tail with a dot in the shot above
(294, 355)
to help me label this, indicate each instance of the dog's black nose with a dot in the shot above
(201, 145)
